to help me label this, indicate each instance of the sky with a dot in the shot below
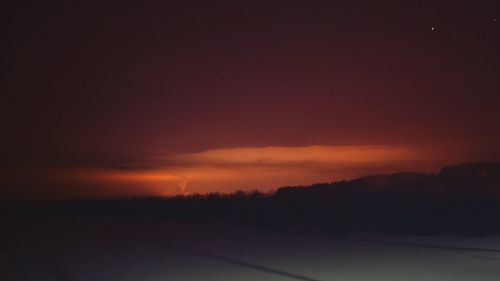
(180, 97)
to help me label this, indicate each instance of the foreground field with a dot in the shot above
(110, 248)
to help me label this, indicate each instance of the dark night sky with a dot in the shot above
(103, 99)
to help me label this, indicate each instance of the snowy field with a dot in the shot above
(127, 249)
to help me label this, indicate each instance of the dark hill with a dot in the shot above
(461, 199)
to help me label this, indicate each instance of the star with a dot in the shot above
(433, 28)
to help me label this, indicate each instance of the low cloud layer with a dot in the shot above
(247, 168)
(286, 156)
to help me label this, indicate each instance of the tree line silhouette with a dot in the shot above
(460, 199)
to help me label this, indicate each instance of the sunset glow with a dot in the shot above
(312, 154)
(194, 97)
(248, 168)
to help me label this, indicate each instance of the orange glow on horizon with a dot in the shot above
(315, 153)
(230, 169)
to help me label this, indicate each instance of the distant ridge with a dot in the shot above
(461, 199)
(463, 180)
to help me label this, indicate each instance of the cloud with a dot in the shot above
(228, 169)
(286, 156)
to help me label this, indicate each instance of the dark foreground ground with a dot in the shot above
(137, 248)
(405, 226)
